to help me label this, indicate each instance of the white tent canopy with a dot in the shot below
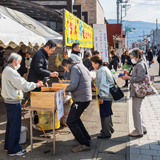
(17, 28)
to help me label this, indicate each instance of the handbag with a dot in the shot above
(144, 88)
(152, 61)
(116, 92)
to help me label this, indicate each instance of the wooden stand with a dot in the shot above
(31, 109)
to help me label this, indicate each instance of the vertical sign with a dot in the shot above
(59, 102)
(100, 40)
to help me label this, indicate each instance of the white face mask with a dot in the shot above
(133, 61)
(17, 66)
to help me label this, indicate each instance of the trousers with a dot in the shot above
(13, 128)
(137, 116)
(75, 124)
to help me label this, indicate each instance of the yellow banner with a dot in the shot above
(77, 31)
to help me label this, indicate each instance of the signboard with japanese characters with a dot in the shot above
(77, 31)
(59, 102)
(100, 41)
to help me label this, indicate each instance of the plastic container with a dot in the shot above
(23, 135)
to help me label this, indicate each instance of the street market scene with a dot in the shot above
(79, 80)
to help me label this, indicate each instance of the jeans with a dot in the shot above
(13, 128)
(75, 124)
(150, 63)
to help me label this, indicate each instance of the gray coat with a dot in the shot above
(138, 75)
(80, 86)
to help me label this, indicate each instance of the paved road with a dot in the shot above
(148, 147)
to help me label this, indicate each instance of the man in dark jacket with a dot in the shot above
(39, 65)
(22, 70)
(150, 57)
(87, 62)
(80, 89)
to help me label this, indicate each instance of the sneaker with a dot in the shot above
(20, 153)
(81, 148)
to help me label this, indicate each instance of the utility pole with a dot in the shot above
(157, 32)
(117, 11)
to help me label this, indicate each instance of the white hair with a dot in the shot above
(14, 56)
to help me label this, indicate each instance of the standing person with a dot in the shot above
(127, 62)
(95, 53)
(2, 59)
(39, 68)
(114, 61)
(80, 89)
(39, 65)
(104, 80)
(87, 62)
(76, 53)
(150, 57)
(22, 70)
(12, 86)
(28, 61)
(158, 59)
(138, 74)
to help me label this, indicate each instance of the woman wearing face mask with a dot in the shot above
(12, 86)
(138, 74)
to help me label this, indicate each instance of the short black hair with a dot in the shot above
(67, 61)
(95, 53)
(28, 53)
(74, 45)
(1, 48)
(50, 43)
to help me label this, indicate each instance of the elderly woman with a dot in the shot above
(138, 74)
(104, 80)
(12, 86)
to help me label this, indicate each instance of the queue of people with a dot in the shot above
(80, 87)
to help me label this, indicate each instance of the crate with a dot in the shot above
(63, 85)
(46, 98)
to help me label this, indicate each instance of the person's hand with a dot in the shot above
(28, 68)
(126, 60)
(54, 74)
(65, 93)
(46, 84)
(27, 74)
(40, 84)
(101, 101)
(125, 77)
(126, 71)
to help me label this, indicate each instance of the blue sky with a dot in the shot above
(140, 10)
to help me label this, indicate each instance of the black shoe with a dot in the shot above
(112, 131)
(102, 137)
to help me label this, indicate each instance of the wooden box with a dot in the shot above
(46, 98)
(63, 85)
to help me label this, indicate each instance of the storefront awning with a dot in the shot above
(17, 28)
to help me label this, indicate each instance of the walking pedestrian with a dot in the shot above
(158, 59)
(150, 57)
(138, 74)
(104, 80)
(80, 89)
(114, 61)
(12, 86)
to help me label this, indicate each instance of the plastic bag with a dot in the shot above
(126, 66)
(46, 122)
(114, 73)
(58, 60)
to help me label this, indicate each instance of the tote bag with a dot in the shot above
(144, 88)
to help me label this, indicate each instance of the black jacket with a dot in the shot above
(22, 70)
(114, 62)
(150, 56)
(39, 67)
(158, 58)
(88, 64)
